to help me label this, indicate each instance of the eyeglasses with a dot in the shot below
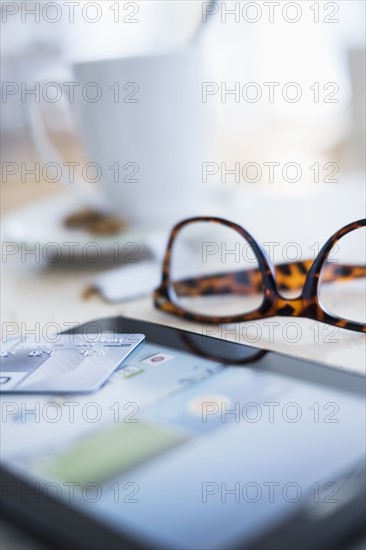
(214, 271)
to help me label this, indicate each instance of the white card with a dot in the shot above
(72, 363)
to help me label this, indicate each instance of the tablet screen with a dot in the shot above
(180, 451)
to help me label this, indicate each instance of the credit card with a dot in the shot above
(71, 363)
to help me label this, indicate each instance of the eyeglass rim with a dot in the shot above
(308, 300)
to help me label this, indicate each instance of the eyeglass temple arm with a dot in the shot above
(289, 276)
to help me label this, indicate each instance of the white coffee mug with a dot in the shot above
(144, 126)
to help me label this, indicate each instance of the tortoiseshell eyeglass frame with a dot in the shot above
(266, 278)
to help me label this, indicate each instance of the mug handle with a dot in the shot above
(81, 191)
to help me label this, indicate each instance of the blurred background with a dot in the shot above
(322, 46)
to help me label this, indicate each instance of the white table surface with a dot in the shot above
(53, 298)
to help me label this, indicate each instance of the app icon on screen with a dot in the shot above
(158, 359)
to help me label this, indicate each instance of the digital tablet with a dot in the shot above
(192, 443)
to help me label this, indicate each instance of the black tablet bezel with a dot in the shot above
(63, 525)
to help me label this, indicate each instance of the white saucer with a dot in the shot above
(40, 223)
